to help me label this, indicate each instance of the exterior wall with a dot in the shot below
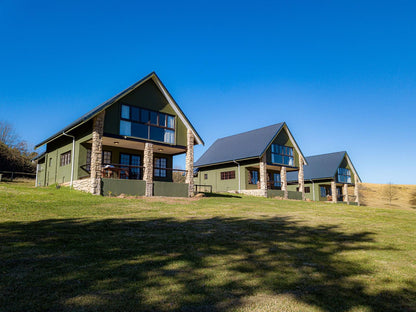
(54, 173)
(283, 139)
(317, 189)
(146, 96)
(290, 194)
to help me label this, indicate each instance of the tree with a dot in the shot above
(7, 135)
(390, 193)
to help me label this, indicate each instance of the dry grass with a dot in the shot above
(386, 195)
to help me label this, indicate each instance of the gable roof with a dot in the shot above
(246, 145)
(92, 113)
(322, 166)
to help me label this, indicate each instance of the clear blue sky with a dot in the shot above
(342, 74)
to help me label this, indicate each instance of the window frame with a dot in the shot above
(159, 171)
(149, 122)
(281, 151)
(250, 181)
(65, 159)
(227, 175)
(345, 174)
(104, 156)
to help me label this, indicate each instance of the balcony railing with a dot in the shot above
(120, 171)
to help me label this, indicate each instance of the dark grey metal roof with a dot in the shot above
(111, 101)
(319, 167)
(244, 145)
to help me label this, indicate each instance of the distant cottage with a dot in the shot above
(124, 145)
(255, 162)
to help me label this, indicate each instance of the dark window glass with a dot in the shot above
(135, 114)
(162, 120)
(254, 177)
(144, 115)
(157, 134)
(282, 155)
(65, 159)
(205, 176)
(153, 118)
(130, 171)
(160, 163)
(307, 189)
(125, 111)
(323, 191)
(139, 130)
(227, 175)
(106, 157)
(135, 172)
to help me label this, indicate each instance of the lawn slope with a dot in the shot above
(62, 250)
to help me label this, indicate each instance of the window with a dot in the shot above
(65, 159)
(146, 124)
(276, 180)
(106, 157)
(228, 175)
(344, 175)
(282, 155)
(254, 177)
(132, 169)
(88, 160)
(50, 162)
(306, 188)
(160, 163)
(205, 176)
(323, 191)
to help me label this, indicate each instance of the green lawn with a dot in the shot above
(63, 250)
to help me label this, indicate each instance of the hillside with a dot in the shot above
(386, 195)
(63, 250)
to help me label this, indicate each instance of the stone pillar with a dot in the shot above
(283, 181)
(334, 192)
(148, 168)
(300, 177)
(96, 153)
(189, 166)
(345, 193)
(263, 175)
(356, 191)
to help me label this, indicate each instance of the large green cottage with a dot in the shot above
(124, 145)
(328, 178)
(254, 162)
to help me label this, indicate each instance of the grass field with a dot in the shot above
(388, 195)
(63, 250)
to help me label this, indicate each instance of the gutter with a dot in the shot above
(72, 157)
(239, 179)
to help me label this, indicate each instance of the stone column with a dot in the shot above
(356, 191)
(345, 193)
(148, 168)
(96, 153)
(189, 166)
(334, 192)
(263, 175)
(283, 181)
(300, 177)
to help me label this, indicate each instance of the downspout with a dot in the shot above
(72, 157)
(239, 180)
(37, 171)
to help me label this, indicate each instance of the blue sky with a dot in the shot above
(342, 74)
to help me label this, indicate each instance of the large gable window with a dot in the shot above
(147, 124)
(344, 175)
(282, 155)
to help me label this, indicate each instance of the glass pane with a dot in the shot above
(169, 136)
(157, 134)
(124, 159)
(125, 112)
(162, 120)
(153, 118)
(144, 115)
(171, 122)
(125, 127)
(135, 114)
(139, 130)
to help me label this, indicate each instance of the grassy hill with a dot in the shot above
(388, 195)
(61, 250)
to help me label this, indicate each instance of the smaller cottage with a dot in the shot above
(328, 177)
(255, 162)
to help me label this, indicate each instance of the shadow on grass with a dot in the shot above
(170, 265)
